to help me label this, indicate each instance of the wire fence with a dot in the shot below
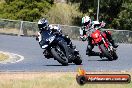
(25, 28)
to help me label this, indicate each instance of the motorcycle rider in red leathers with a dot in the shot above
(85, 31)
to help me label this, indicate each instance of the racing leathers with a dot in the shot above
(55, 30)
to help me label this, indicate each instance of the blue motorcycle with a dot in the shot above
(55, 46)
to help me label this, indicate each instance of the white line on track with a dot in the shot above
(13, 58)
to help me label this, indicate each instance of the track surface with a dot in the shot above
(35, 61)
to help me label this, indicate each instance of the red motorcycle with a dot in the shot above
(100, 40)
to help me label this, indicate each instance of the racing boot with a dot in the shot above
(114, 44)
(92, 53)
(69, 42)
(47, 54)
(71, 45)
(111, 39)
(75, 50)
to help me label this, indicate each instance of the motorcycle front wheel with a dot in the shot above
(115, 57)
(59, 55)
(106, 52)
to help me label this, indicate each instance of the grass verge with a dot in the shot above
(51, 80)
(3, 57)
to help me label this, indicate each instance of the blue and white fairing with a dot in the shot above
(47, 38)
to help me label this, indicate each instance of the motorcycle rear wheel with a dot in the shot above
(77, 60)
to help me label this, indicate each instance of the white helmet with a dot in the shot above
(86, 20)
(42, 24)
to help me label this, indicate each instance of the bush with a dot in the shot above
(27, 10)
(62, 13)
(124, 20)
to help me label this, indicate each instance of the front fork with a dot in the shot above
(106, 44)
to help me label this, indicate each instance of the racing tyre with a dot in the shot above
(59, 55)
(77, 60)
(106, 52)
(115, 57)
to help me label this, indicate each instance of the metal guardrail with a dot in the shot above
(25, 28)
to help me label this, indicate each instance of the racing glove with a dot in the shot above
(83, 38)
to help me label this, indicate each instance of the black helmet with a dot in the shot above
(42, 24)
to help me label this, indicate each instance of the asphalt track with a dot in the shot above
(35, 61)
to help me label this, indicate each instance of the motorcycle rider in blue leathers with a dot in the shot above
(44, 26)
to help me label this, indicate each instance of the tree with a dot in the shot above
(28, 10)
(8, 1)
(124, 20)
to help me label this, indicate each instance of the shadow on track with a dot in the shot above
(62, 65)
(99, 60)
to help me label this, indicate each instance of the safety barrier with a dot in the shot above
(26, 28)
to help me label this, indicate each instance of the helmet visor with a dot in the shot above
(86, 23)
(42, 25)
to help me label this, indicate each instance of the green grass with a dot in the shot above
(48, 80)
(3, 57)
